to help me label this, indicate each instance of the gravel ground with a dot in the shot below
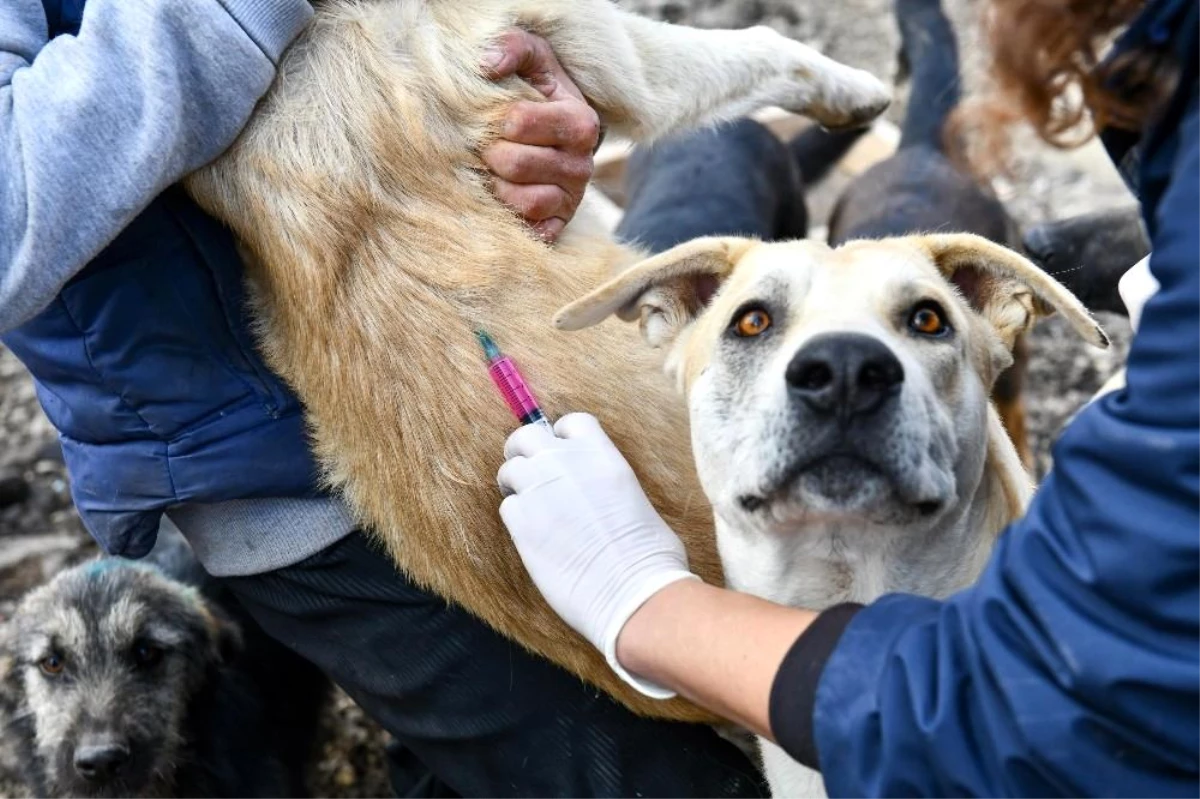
(41, 534)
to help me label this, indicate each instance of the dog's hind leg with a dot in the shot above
(648, 78)
(930, 51)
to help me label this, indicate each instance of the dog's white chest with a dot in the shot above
(799, 571)
(787, 778)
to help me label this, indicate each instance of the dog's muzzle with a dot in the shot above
(844, 377)
(100, 761)
(841, 387)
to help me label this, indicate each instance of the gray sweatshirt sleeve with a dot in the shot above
(94, 126)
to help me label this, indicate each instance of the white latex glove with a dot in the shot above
(594, 545)
(1136, 287)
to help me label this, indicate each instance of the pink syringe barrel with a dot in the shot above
(516, 393)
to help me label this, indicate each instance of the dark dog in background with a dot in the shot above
(918, 189)
(122, 678)
(1090, 253)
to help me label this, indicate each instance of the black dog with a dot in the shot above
(1089, 253)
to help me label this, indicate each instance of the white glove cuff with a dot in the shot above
(626, 609)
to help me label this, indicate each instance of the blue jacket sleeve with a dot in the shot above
(1071, 667)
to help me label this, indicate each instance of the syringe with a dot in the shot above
(512, 386)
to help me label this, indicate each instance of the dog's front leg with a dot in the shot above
(650, 78)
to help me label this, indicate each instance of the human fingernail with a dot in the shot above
(492, 56)
(549, 229)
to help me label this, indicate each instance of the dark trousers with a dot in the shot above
(472, 713)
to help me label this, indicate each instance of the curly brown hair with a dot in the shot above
(1047, 70)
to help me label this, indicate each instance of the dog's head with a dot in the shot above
(104, 660)
(835, 384)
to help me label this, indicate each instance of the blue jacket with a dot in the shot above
(146, 366)
(1073, 666)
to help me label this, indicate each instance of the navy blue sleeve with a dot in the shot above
(794, 690)
(1072, 667)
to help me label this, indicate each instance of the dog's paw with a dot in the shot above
(850, 98)
(814, 85)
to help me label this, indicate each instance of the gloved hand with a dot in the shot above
(595, 547)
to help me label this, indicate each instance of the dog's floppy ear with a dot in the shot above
(666, 292)
(1010, 291)
(225, 641)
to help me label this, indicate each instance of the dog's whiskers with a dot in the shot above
(1058, 272)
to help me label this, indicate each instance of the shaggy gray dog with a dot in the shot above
(121, 680)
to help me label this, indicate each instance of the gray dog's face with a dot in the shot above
(833, 386)
(105, 658)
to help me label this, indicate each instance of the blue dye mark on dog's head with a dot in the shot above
(108, 566)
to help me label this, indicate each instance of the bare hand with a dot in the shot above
(543, 159)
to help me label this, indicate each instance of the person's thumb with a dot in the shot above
(529, 57)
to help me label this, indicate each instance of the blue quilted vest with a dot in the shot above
(145, 364)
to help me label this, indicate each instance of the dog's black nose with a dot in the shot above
(100, 761)
(844, 374)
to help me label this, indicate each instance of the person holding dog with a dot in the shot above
(1071, 667)
(125, 301)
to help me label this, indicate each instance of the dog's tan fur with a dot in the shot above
(374, 249)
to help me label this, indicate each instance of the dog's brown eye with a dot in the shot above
(928, 320)
(52, 664)
(146, 655)
(752, 323)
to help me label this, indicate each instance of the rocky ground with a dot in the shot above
(41, 534)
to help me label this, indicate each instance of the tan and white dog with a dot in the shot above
(840, 412)
(374, 250)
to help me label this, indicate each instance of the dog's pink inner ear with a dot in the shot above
(974, 285)
(706, 286)
(691, 293)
